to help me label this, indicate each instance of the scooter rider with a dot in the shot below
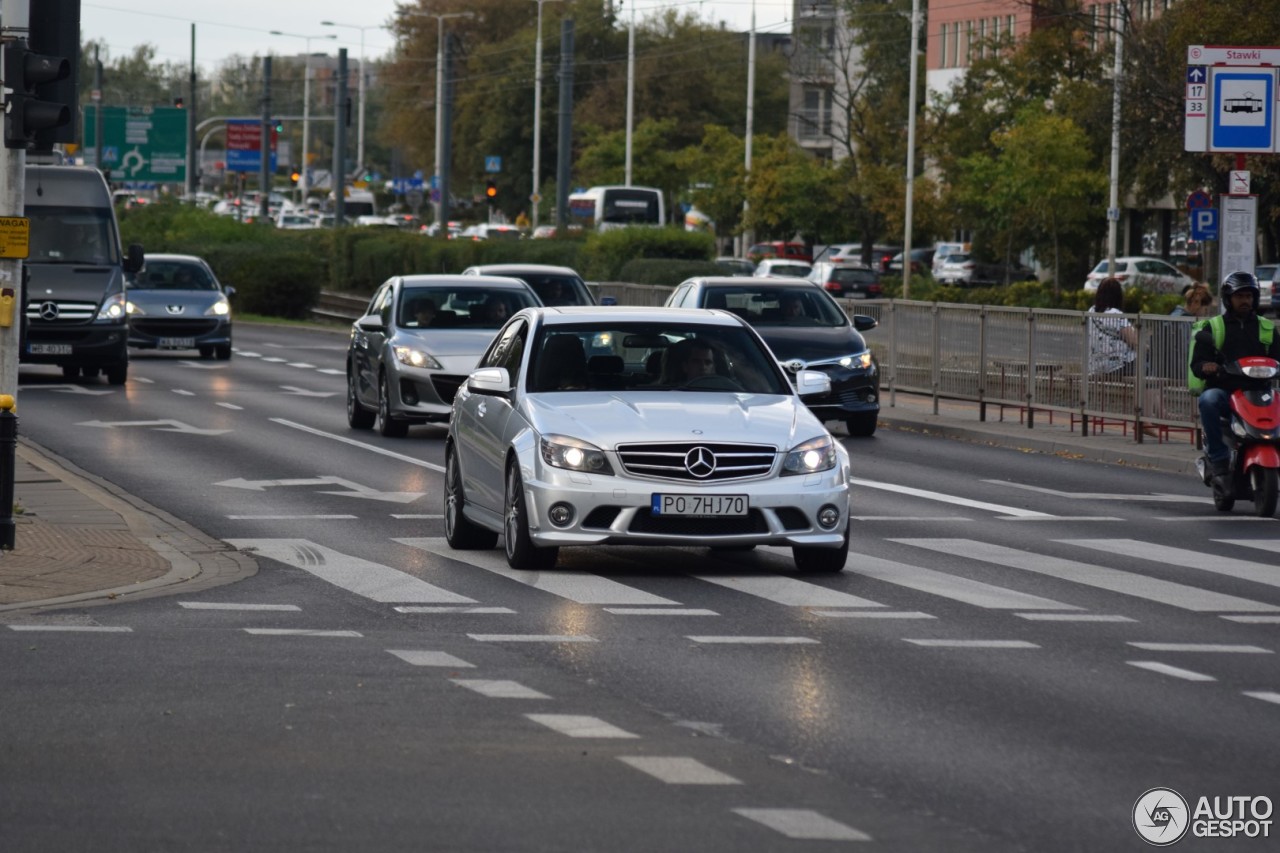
(1237, 333)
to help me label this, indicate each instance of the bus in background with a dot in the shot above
(604, 208)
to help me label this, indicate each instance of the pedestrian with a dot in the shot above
(1113, 340)
(1197, 301)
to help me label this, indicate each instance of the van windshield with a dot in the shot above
(72, 235)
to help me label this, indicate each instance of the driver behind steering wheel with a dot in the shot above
(688, 360)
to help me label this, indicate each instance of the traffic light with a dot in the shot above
(55, 31)
(295, 175)
(491, 191)
(26, 113)
(279, 126)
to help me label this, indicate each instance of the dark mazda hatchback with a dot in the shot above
(806, 330)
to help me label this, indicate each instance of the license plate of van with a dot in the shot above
(50, 349)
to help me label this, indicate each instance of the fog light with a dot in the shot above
(561, 514)
(408, 392)
(828, 516)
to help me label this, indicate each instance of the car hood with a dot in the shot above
(811, 344)
(609, 419)
(438, 342)
(193, 303)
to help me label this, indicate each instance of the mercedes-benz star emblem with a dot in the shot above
(700, 462)
(795, 365)
(48, 310)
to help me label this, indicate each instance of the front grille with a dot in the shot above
(173, 328)
(601, 516)
(752, 522)
(667, 461)
(446, 386)
(68, 312)
(793, 518)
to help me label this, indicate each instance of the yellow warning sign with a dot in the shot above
(15, 236)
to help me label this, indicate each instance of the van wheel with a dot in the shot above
(862, 425)
(117, 375)
(70, 372)
(222, 352)
(206, 352)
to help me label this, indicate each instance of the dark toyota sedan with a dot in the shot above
(807, 330)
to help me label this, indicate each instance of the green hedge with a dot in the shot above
(664, 271)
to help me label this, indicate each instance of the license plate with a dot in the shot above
(857, 294)
(176, 343)
(50, 349)
(699, 506)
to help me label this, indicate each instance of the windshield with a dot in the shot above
(173, 275)
(777, 306)
(630, 206)
(72, 235)
(653, 357)
(460, 307)
(554, 289)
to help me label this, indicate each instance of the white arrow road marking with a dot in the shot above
(162, 426)
(69, 389)
(951, 499)
(1158, 497)
(295, 391)
(356, 490)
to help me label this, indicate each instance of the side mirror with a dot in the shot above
(864, 322)
(229, 291)
(493, 381)
(133, 260)
(372, 323)
(812, 383)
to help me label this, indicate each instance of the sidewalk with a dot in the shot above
(81, 541)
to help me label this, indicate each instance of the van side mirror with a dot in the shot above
(133, 260)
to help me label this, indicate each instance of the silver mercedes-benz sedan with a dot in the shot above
(641, 426)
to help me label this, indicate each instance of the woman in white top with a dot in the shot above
(1112, 339)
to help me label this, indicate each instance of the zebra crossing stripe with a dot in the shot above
(371, 580)
(575, 725)
(676, 770)
(803, 823)
(951, 586)
(1218, 564)
(1113, 580)
(422, 657)
(575, 586)
(499, 689)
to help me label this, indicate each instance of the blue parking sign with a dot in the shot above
(1204, 223)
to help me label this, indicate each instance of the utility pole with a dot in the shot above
(566, 126)
(264, 144)
(192, 165)
(342, 114)
(535, 197)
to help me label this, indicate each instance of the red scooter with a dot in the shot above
(1253, 434)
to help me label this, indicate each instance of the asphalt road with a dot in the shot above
(1019, 647)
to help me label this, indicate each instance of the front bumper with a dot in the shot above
(613, 510)
(99, 345)
(159, 333)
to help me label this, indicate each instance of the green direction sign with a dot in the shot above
(139, 144)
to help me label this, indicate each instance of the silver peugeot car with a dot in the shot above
(641, 426)
(418, 339)
(176, 302)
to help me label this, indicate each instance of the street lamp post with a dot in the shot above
(360, 93)
(306, 106)
(440, 18)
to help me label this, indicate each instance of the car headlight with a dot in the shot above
(114, 307)
(133, 310)
(416, 358)
(561, 451)
(810, 457)
(221, 308)
(861, 359)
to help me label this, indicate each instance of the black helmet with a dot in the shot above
(1239, 280)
